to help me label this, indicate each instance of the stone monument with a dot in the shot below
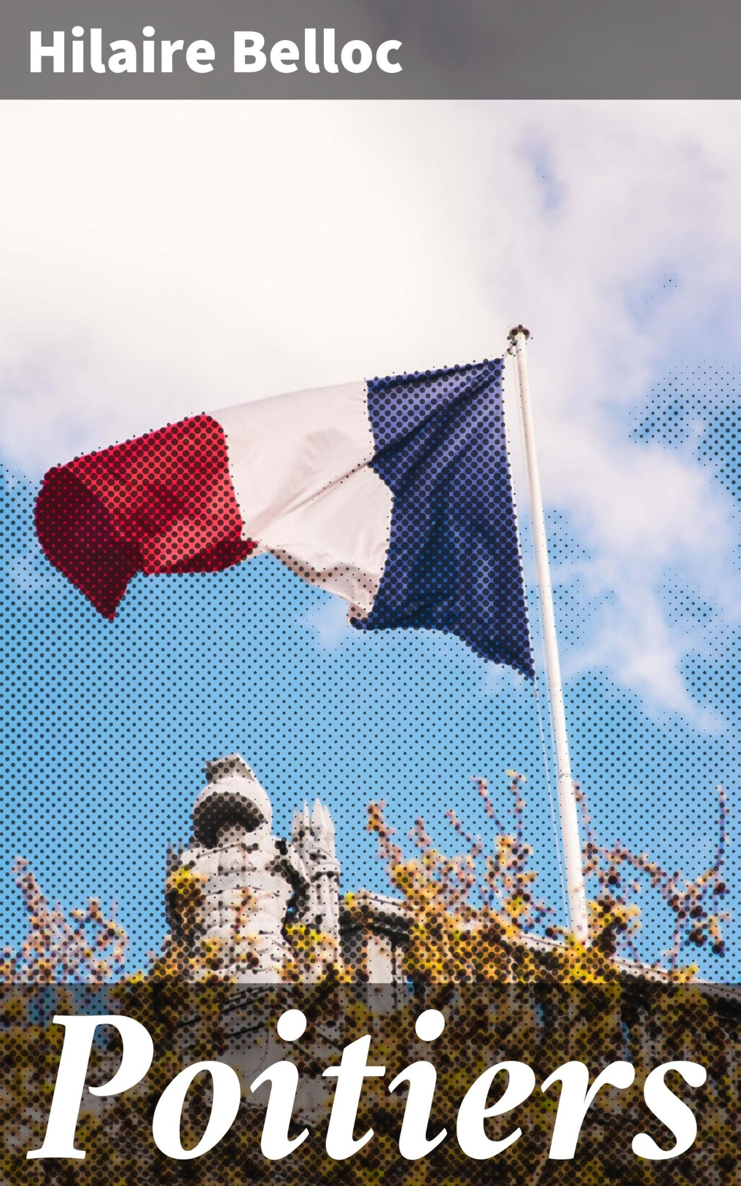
(252, 884)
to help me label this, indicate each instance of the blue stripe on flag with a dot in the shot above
(454, 558)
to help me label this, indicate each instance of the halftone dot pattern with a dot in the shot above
(454, 560)
(111, 724)
(532, 1029)
(161, 503)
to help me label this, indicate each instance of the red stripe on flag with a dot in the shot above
(161, 503)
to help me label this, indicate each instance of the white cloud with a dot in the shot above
(329, 621)
(163, 258)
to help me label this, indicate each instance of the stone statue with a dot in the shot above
(252, 882)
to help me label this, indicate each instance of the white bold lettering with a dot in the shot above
(248, 45)
(283, 1079)
(350, 1073)
(96, 51)
(167, 53)
(670, 1111)
(576, 1097)
(382, 57)
(422, 1080)
(136, 1059)
(365, 56)
(473, 1111)
(310, 63)
(78, 51)
(169, 1110)
(55, 51)
(200, 55)
(283, 57)
(123, 61)
(148, 50)
(330, 65)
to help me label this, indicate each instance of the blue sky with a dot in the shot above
(207, 254)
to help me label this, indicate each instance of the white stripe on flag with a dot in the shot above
(299, 467)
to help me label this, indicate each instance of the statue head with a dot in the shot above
(232, 804)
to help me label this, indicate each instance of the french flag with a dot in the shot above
(394, 494)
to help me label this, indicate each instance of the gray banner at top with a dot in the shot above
(344, 49)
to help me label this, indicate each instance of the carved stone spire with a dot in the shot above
(313, 840)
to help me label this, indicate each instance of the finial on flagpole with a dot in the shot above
(518, 333)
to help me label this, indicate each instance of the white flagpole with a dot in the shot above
(566, 790)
